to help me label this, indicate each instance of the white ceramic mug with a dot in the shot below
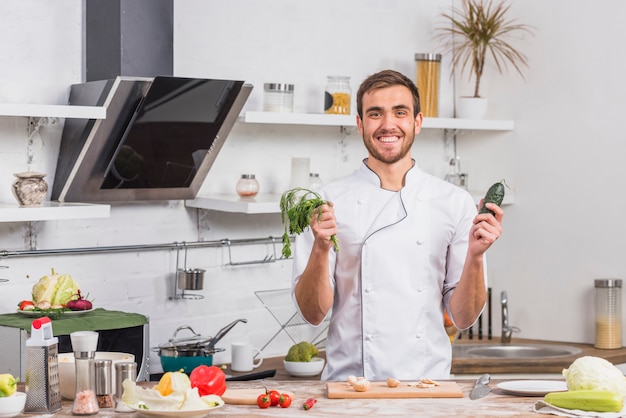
(243, 357)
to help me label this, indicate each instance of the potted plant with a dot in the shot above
(474, 32)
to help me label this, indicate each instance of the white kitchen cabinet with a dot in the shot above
(51, 210)
(269, 203)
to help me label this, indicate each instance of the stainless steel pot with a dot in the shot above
(191, 352)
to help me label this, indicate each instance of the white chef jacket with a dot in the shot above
(400, 257)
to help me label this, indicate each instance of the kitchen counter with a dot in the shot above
(495, 404)
(529, 365)
(494, 366)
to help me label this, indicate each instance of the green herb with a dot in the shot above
(297, 207)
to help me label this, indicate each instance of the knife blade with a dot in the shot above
(480, 388)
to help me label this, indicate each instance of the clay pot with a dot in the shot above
(29, 188)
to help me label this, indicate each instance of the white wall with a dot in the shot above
(562, 160)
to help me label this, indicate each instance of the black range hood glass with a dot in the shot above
(158, 141)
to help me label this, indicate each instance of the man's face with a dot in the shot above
(388, 127)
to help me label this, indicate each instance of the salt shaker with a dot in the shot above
(84, 345)
(608, 307)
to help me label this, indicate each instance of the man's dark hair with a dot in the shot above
(387, 78)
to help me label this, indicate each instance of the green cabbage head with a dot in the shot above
(56, 289)
(594, 373)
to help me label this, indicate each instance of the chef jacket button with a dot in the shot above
(420, 289)
(418, 336)
(419, 242)
(359, 202)
(368, 289)
(369, 337)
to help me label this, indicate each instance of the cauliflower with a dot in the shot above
(303, 351)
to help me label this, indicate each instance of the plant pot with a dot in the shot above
(471, 107)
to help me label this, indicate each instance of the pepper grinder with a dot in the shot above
(84, 345)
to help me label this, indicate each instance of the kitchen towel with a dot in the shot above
(545, 408)
(97, 320)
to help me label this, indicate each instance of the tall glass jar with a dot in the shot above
(428, 69)
(338, 95)
(608, 307)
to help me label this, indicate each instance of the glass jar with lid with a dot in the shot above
(338, 95)
(247, 186)
(278, 97)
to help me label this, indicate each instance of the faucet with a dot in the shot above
(507, 330)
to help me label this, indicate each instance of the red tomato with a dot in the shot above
(263, 400)
(26, 305)
(285, 400)
(274, 396)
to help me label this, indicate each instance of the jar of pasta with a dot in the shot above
(338, 95)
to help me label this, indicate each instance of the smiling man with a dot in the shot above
(411, 245)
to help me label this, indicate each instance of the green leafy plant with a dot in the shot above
(477, 30)
(297, 207)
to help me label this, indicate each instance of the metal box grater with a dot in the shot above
(42, 371)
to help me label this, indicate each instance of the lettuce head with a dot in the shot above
(595, 373)
(55, 289)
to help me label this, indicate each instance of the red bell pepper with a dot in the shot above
(210, 380)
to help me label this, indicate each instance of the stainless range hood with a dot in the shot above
(160, 137)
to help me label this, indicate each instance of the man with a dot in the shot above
(410, 245)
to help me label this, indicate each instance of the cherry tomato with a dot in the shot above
(26, 305)
(263, 400)
(285, 400)
(274, 397)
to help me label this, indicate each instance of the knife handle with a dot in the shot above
(252, 376)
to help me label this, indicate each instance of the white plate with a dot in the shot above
(195, 413)
(532, 387)
(38, 314)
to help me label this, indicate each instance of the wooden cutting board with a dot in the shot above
(446, 389)
(247, 396)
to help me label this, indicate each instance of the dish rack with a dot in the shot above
(280, 305)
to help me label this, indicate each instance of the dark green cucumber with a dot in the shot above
(495, 194)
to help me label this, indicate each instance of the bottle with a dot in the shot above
(608, 309)
(315, 183)
(247, 186)
(84, 345)
(338, 95)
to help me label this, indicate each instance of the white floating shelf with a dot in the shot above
(49, 211)
(53, 111)
(261, 203)
(270, 203)
(321, 119)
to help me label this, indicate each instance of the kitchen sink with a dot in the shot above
(508, 351)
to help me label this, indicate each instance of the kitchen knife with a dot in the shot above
(480, 387)
(252, 376)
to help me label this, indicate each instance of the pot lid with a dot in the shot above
(195, 341)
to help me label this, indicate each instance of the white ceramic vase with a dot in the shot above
(471, 107)
(29, 188)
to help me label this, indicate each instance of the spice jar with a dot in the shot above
(315, 182)
(84, 345)
(338, 95)
(104, 385)
(123, 371)
(428, 69)
(247, 186)
(608, 307)
(278, 97)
